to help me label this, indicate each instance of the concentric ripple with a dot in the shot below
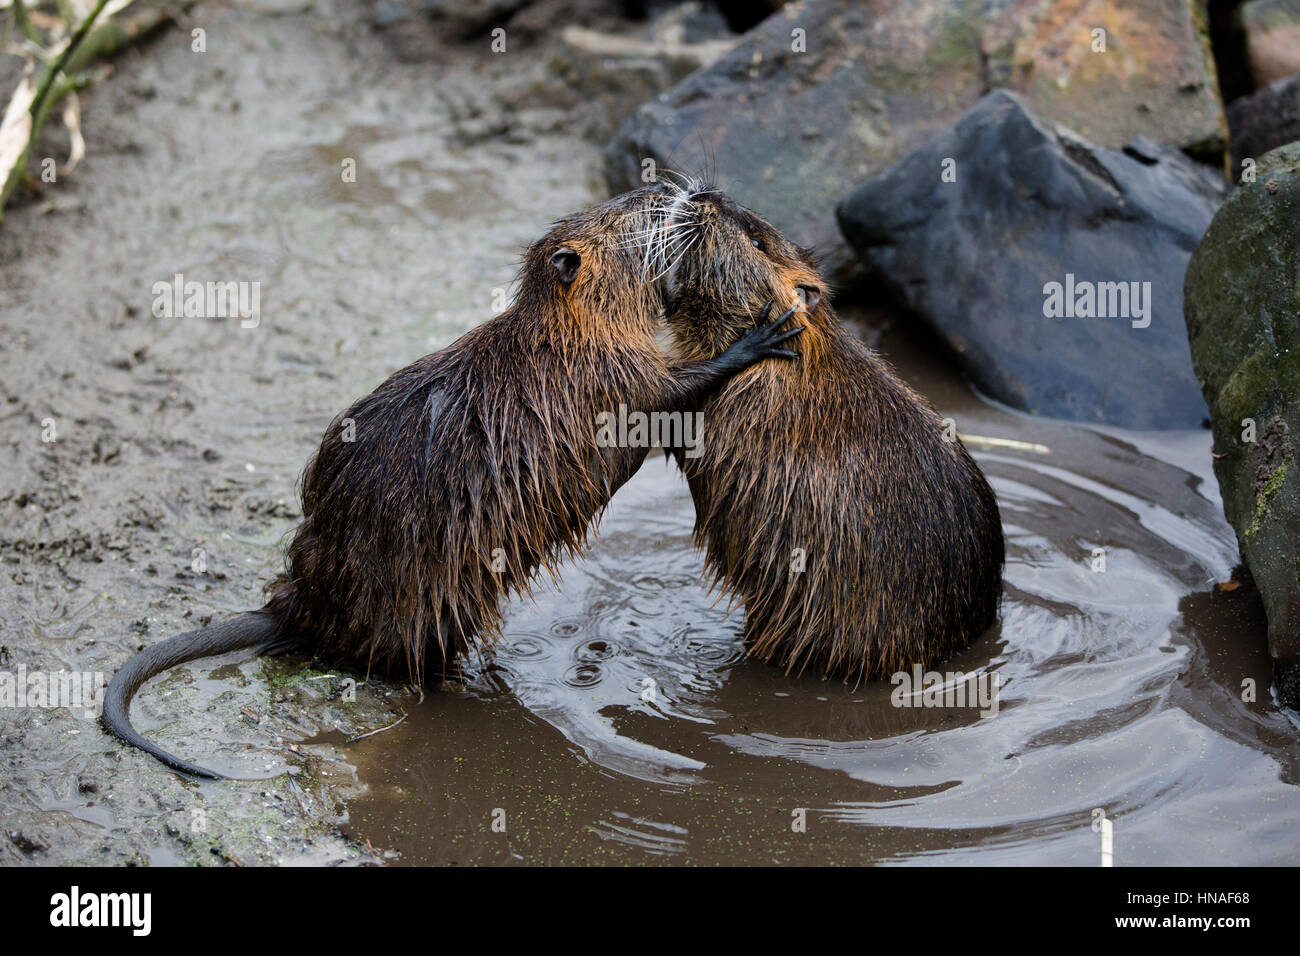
(1102, 696)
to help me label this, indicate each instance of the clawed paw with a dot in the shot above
(765, 338)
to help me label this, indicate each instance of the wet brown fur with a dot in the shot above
(832, 454)
(489, 443)
(487, 450)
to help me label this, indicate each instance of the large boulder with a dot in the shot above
(1243, 319)
(784, 130)
(1053, 267)
(1265, 120)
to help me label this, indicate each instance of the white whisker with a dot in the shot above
(677, 256)
(637, 238)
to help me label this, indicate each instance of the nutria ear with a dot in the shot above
(810, 294)
(566, 263)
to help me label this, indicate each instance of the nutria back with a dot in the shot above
(466, 472)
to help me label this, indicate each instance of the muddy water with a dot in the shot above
(1120, 690)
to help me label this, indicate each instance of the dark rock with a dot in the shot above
(468, 18)
(1030, 207)
(784, 131)
(742, 15)
(1243, 320)
(1265, 120)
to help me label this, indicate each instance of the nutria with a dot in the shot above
(465, 473)
(861, 537)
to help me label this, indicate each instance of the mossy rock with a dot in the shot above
(1242, 304)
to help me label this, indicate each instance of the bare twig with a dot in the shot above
(371, 733)
(988, 442)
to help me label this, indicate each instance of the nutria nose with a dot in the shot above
(711, 203)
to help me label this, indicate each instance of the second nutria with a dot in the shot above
(827, 497)
(465, 473)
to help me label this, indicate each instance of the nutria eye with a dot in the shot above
(756, 242)
(566, 263)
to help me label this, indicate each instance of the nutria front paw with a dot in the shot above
(764, 339)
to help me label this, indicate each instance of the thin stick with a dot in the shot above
(1005, 443)
(371, 733)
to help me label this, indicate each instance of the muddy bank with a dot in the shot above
(178, 440)
(1119, 689)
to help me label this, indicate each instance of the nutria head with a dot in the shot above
(724, 263)
(596, 271)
